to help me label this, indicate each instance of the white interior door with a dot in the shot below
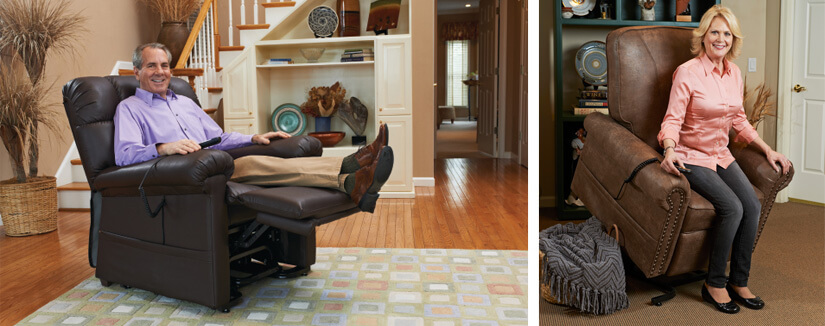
(523, 116)
(487, 77)
(807, 150)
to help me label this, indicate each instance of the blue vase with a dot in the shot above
(322, 124)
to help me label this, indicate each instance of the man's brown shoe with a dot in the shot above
(370, 178)
(367, 154)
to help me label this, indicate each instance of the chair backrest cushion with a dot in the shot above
(90, 104)
(640, 65)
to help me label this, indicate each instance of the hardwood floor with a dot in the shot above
(475, 204)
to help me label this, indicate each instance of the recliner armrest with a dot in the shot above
(174, 174)
(756, 167)
(296, 146)
(649, 211)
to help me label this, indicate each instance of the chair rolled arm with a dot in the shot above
(174, 174)
(756, 167)
(297, 146)
(649, 210)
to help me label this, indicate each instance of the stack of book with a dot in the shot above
(591, 101)
(355, 55)
(280, 61)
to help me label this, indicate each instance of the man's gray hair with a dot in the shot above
(137, 56)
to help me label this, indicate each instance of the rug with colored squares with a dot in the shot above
(347, 286)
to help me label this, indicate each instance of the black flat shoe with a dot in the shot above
(752, 303)
(728, 307)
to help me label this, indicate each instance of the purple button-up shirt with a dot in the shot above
(145, 120)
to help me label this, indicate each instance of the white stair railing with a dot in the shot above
(201, 50)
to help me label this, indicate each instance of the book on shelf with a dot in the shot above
(361, 59)
(357, 55)
(593, 94)
(366, 50)
(586, 111)
(592, 103)
(280, 61)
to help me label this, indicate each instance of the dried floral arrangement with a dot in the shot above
(173, 10)
(762, 104)
(28, 29)
(324, 101)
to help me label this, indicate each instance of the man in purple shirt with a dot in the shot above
(156, 122)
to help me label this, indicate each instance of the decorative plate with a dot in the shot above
(580, 7)
(591, 63)
(289, 119)
(322, 21)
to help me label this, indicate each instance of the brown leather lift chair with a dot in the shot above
(664, 225)
(211, 236)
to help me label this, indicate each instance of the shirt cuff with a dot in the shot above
(668, 133)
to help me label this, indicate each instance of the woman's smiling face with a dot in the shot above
(718, 39)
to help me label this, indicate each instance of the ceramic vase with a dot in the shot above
(349, 18)
(173, 35)
(322, 124)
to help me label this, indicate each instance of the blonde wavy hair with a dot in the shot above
(698, 48)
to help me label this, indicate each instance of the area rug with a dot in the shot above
(347, 286)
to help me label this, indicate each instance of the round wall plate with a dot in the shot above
(323, 21)
(289, 119)
(591, 63)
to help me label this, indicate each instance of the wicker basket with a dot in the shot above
(29, 208)
(545, 288)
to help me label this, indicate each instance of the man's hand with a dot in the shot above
(183, 147)
(263, 139)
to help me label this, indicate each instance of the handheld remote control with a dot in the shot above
(210, 142)
(681, 169)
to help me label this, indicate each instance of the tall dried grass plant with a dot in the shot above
(173, 10)
(28, 30)
(761, 106)
(22, 106)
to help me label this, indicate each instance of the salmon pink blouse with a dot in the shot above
(704, 104)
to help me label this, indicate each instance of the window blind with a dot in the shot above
(457, 63)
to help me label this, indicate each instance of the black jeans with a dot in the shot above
(737, 211)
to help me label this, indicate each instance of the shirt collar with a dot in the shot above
(147, 96)
(709, 66)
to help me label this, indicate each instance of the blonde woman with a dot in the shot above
(705, 103)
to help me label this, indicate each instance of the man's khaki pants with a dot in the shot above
(322, 172)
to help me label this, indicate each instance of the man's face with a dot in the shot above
(154, 75)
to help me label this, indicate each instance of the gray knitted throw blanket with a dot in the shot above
(583, 267)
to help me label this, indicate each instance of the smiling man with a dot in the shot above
(155, 122)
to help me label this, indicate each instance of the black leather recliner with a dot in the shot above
(212, 235)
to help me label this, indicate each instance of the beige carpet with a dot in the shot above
(457, 140)
(788, 272)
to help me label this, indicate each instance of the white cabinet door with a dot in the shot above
(244, 126)
(393, 76)
(400, 183)
(236, 98)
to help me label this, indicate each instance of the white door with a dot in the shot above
(487, 77)
(235, 86)
(807, 150)
(523, 118)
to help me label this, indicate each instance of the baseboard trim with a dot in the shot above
(424, 182)
(547, 201)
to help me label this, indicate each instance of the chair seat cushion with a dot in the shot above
(296, 202)
(701, 215)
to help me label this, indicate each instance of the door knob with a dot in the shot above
(797, 88)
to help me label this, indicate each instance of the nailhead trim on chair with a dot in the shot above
(769, 201)
(672, 227)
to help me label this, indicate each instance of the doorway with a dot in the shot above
(494, 85)
(457, 56)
